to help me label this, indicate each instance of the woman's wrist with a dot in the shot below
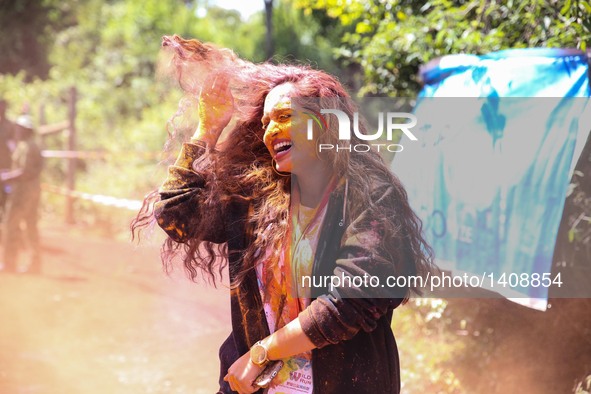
(271, 346)
(259, 354)
(206, 137)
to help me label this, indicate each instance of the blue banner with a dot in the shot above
(489, 173)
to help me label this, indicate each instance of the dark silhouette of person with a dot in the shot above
(23, 181)
(6, 135)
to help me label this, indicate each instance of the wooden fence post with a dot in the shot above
(42, 122)
(71, 168)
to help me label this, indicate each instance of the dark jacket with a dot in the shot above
(356, 351)
(6, 133)
(27, 157)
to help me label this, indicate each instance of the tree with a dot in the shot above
(270, 46)
(28, 26)
(390, 39)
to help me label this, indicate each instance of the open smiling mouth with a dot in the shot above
(281, 149)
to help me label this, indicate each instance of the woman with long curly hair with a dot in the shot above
(287, 216)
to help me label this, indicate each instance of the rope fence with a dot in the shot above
(124, 203)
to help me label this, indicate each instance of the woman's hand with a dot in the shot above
(293, 340)
(242, 373)
(216, 106)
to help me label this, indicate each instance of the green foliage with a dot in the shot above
(390, 39)
(299, 39)
(428, 346)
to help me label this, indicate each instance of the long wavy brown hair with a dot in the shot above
(241, 167)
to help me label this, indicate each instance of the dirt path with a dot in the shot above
(103, 318)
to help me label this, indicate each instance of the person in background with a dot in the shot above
(6, 135)
(22, 205)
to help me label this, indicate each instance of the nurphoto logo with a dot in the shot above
(391, 120)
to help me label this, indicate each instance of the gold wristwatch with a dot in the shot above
(258, 354)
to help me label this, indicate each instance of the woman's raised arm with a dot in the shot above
(186, 209)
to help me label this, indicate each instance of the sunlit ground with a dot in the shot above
(103, 318)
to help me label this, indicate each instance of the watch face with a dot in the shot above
(258, 354)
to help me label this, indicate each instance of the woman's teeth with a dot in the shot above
(281, 146)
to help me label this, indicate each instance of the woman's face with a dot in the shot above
(285, 132)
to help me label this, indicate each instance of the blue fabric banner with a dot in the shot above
(490, 170)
